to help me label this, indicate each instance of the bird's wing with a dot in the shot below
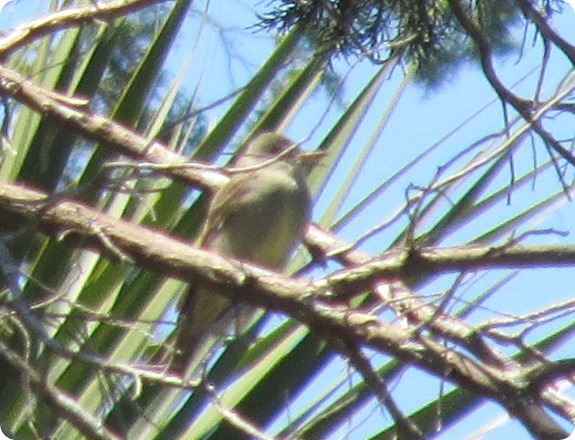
(227, 201)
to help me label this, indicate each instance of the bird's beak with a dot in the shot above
(310, 156)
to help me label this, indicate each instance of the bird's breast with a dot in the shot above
(266, 230)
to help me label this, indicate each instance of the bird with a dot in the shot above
(258, 216)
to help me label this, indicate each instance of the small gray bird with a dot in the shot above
(258, 216)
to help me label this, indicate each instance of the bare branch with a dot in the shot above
(81, 419)
(102, 129)
(32, 30)
(524, 107)
(78, 224)
(160, 252)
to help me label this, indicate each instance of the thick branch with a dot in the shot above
(78, 224)
(155, 250)
(428, 261)
(102, 130)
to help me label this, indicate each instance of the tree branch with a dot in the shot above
(523, 107)
(155, 250)
(102, 130)
(547, 31)
(82, 420)
(77, 224)
(34, 29)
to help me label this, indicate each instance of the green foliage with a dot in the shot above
(426, 34)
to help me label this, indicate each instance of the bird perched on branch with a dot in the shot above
(258, 216)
